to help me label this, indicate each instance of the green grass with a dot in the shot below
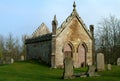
(33, 71)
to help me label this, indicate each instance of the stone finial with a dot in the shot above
(55, 20)
(54, 24)
(54, 17)
(74, 6)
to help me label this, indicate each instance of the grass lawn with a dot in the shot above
(33, 71)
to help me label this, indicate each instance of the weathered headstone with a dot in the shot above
(12, 60)
(100, 62)
(109, 67)
(91, 71)
(68, 66)
(118, 61)
(22, 58)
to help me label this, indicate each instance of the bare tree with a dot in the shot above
(12, 47)
(17, 49)
(1, 47)
(108, 38)
(23, 52)
(10, 43)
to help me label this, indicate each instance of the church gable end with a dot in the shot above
(75, 20)
(75, 31)
(41, 30)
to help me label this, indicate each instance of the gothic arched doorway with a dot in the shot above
(68, 50)
(81, 55)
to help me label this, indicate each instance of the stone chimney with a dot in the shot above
(54, 25)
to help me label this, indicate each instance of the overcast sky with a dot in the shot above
(21, 17)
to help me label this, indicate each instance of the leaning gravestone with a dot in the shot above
(91, 70)
(100, 62)
(68, 66)
(118, 61)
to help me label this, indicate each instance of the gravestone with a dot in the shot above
(109, 67)
(12, 60)
(68, 66)
(91, 71)
(100, 62)
(22, 58)
(118, 61)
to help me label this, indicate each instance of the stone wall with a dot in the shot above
(75, 34)
(39, 50)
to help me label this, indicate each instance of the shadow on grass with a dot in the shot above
(35, 62)
(3, 64)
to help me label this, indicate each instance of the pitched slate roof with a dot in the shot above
(41, 38)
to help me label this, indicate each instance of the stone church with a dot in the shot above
(72, 37)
